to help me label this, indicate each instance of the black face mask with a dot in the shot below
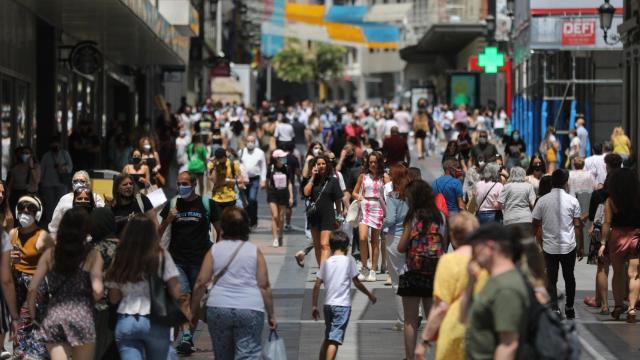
(136, 161)
(537, 168)
(83, 205)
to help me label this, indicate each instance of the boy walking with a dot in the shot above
(337, 273)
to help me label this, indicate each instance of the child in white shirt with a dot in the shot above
(337, 273)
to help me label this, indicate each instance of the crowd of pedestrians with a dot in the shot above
(84, 274)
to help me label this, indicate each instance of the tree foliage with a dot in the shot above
(293, 64)
(296, 64)
(329, 60)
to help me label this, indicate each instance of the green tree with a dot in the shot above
(293, 64)
(329, 61)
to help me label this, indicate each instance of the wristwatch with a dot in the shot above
(426, 342)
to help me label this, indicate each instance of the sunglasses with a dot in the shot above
(27, 207)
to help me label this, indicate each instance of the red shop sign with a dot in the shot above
(578, 32)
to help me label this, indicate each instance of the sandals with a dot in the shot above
(604, 311)
(617, 311)
(591, 302)
(300, 258)
(631, 316)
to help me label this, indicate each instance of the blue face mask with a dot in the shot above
(516, 137)
(184, 191)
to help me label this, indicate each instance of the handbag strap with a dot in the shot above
(221, 273)
(485, 197)
(322, 190)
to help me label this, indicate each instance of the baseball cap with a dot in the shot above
(220, 153)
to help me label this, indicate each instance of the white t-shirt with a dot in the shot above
(557, 210)
(337, 273)
(284, 132)
(596, 166)
(388, 124)
(135, 296)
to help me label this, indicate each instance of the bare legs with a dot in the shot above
(411, 306)
(60, 351)
(634, 284)
(363, 234)
(419, 145)
(329, 350)
(602, 285)
(321, 244)
(277, 220)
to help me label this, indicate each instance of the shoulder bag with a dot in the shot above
(475, 210)
(312, 206)
(164, 309)
(216, 278)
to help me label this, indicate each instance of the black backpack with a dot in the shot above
(547, 337)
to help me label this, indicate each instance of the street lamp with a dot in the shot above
(490, 20)
(606, 12)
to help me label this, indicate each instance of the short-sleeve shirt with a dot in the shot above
(226, 193)
(337, 273)
(485, 152)
(190, 237)
(556, 211)
(487, 194)
(516, 199)
(581, 181)
(501, 306)
(123, 212)
(451, 189)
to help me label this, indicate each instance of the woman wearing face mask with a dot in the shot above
(24, 177)
(151, 158)
(127, 201)
(138, 170)
(549, 149)
(536, 170)
(314, 150)
(279, 193)
(28, 242)
(83, 199)
(80, 180)
(514, 149)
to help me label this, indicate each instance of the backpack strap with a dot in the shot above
(207, 206)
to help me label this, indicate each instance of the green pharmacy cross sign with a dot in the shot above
(491, 60)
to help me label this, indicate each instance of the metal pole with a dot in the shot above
(268, 94)
(219, 27)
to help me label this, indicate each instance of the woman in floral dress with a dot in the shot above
(369, 191)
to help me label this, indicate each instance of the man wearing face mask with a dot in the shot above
(56, 168)
(254, 162)
(187, 221)
(483, 149)
(79, 180)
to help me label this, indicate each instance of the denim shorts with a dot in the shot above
(187, 275)
(336, 319)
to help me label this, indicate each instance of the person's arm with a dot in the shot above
(9, 289)
(96, 275)
(291, 195)
(167, 219)
(403, 244)
(308, 188)
(537, 230)
(467, 297)
(461, 204)
(408, 154)
(157, 157)
(358, 284)
(38, 277)
(356, 190)
(200, 288)
(262, 275)
(44, 242)
(438, 310)
(606, 227)
(391, 215)
(115, 295)
(263, 171)
(507, 346)
(174, 288)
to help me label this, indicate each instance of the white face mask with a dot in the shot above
(146, 147)
(26, 220)
(316, 152)
(251, 146)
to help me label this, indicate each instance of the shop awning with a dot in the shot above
(388, 12)
(130, 32)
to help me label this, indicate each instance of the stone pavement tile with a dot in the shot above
(379, 342)
(620, 339)
(384, 308)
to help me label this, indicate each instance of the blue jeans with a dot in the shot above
(138, 338)
(252, 199)
(235, 333)
(188, 274)
(489, 216)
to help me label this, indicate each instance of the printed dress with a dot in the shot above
(372, 204)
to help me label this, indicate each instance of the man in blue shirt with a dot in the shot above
(450, 187)
(583, 135)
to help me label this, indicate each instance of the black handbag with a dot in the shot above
(312, 206)
(164, 309)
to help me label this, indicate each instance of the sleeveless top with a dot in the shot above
(372, 188)
(238, 288)
(29, 255)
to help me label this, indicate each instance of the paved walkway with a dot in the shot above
(370, 334)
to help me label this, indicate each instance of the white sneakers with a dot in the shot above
(276, 242)
(372, 276)
(367, 275)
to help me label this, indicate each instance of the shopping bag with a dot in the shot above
(353, 213)
(273, 347)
